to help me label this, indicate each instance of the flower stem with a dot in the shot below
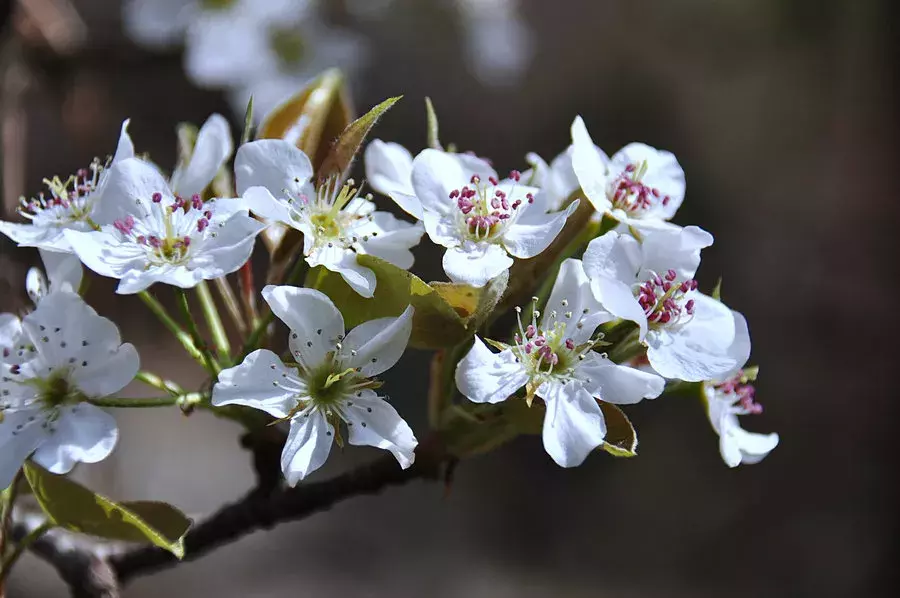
(186, 400)
(247, 288)
(20, 549)
(151, 379)
(231, 304)
(208, 362)
(211, 314)
(183, 337)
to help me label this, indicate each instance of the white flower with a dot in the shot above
(212, 149)
(389, 168)
(651, 283)
(64, 356)
(556, 181)
(732, 395)
(274, 178)
(156, 236)
(555, 361)
(330, 382)
(69, 204)
(63, 271)
(479, 219)
(641, 186)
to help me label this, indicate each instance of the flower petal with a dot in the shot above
(663, 173)
(129, 190)
(394, 239)
(476, 264)
(83, 434)
(528, 240)
(261, 381)
(486, 377)
(675, 249)
(316, 324)
(274, 164)
(262, 203)
(435, 174)
(372, 421)
(590, 165)
(212, 150)
(308, 445)
(574, 303)
(389, 172)
(378, 343)
(21, 432)
(573, 425)
(125, 147)
(109, 373)
(63, 269)
(618, 384)
(618, 300)
(28, 235)
(613, 256)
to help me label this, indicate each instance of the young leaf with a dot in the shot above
(621, 438)
(344, 149)
(433, 128)
(248, 122)
(436, 323)
(461, 297)
(717, 290)
(74, 507)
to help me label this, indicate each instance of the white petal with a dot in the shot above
(307, 446)
(476, 264)
(676, 249)
(262, 203)
(261, 381)
(229, 249)
(103, 253)
(619, 300)
(129, 191)
(125, 147)
(739, 350)
(212, 150)
(63, 269)
(361, 279)
(436, 174)
(738, 446)
(378, 343)
(698, 350)
(10, 328)
(443, 229)
(574, 303)
(663, 173)
(528, 240)
(109, 373)
(394, 240)
(372, 421)
(486, 377)
(389, 172)
(613, 256)
(316, 324)
(573, 425)
(590, 165)
(274, 164)
(83, 434)
(29, 235)
(618, 384)
(21, 432)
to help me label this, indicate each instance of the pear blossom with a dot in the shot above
(641, 187)
(554, 359)
(733, 395)
(212, 149)
(155, 235)
(556, 180)
(68, 204)
(389, 169)
(63, 273)
(651, 284)
(330, 381)
(478, 218)
(62, 356)
(274, 178)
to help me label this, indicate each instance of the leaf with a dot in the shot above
(436, 323)
(74, 507)
(344, 149)
(248, 122)
(487, 302)
(310, 119)
(461, 297)
(434, 141)
(717, 290)
(621, 438)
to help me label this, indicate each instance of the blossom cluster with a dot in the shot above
(620, 317)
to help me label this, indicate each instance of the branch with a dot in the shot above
(264, 511)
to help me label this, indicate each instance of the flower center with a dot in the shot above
(664, 299)
(335, 217)
(628, 193)
(56, 391)
(66, 201)
(549, 351)
(485, 209)
(169, 231)
(739, 390)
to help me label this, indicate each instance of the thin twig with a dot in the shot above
(231, 304)
(213, 320)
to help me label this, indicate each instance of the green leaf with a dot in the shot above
(186, 134)
(621, 438)
(717, 290)
(489, 298)
(345, 147)
(248, 122)
(74, 507)
(436, 323)
(434, 141)
(461, 297)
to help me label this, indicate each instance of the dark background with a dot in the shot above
(782, 114)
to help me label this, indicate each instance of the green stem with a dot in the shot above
(211, 314)
(183, 337)
(231, 304)
(208, 362)
(151, 379)
(20, 549)
(190, 399)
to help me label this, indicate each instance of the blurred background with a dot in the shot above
(782, 113)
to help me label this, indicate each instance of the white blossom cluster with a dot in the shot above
(125, 219)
